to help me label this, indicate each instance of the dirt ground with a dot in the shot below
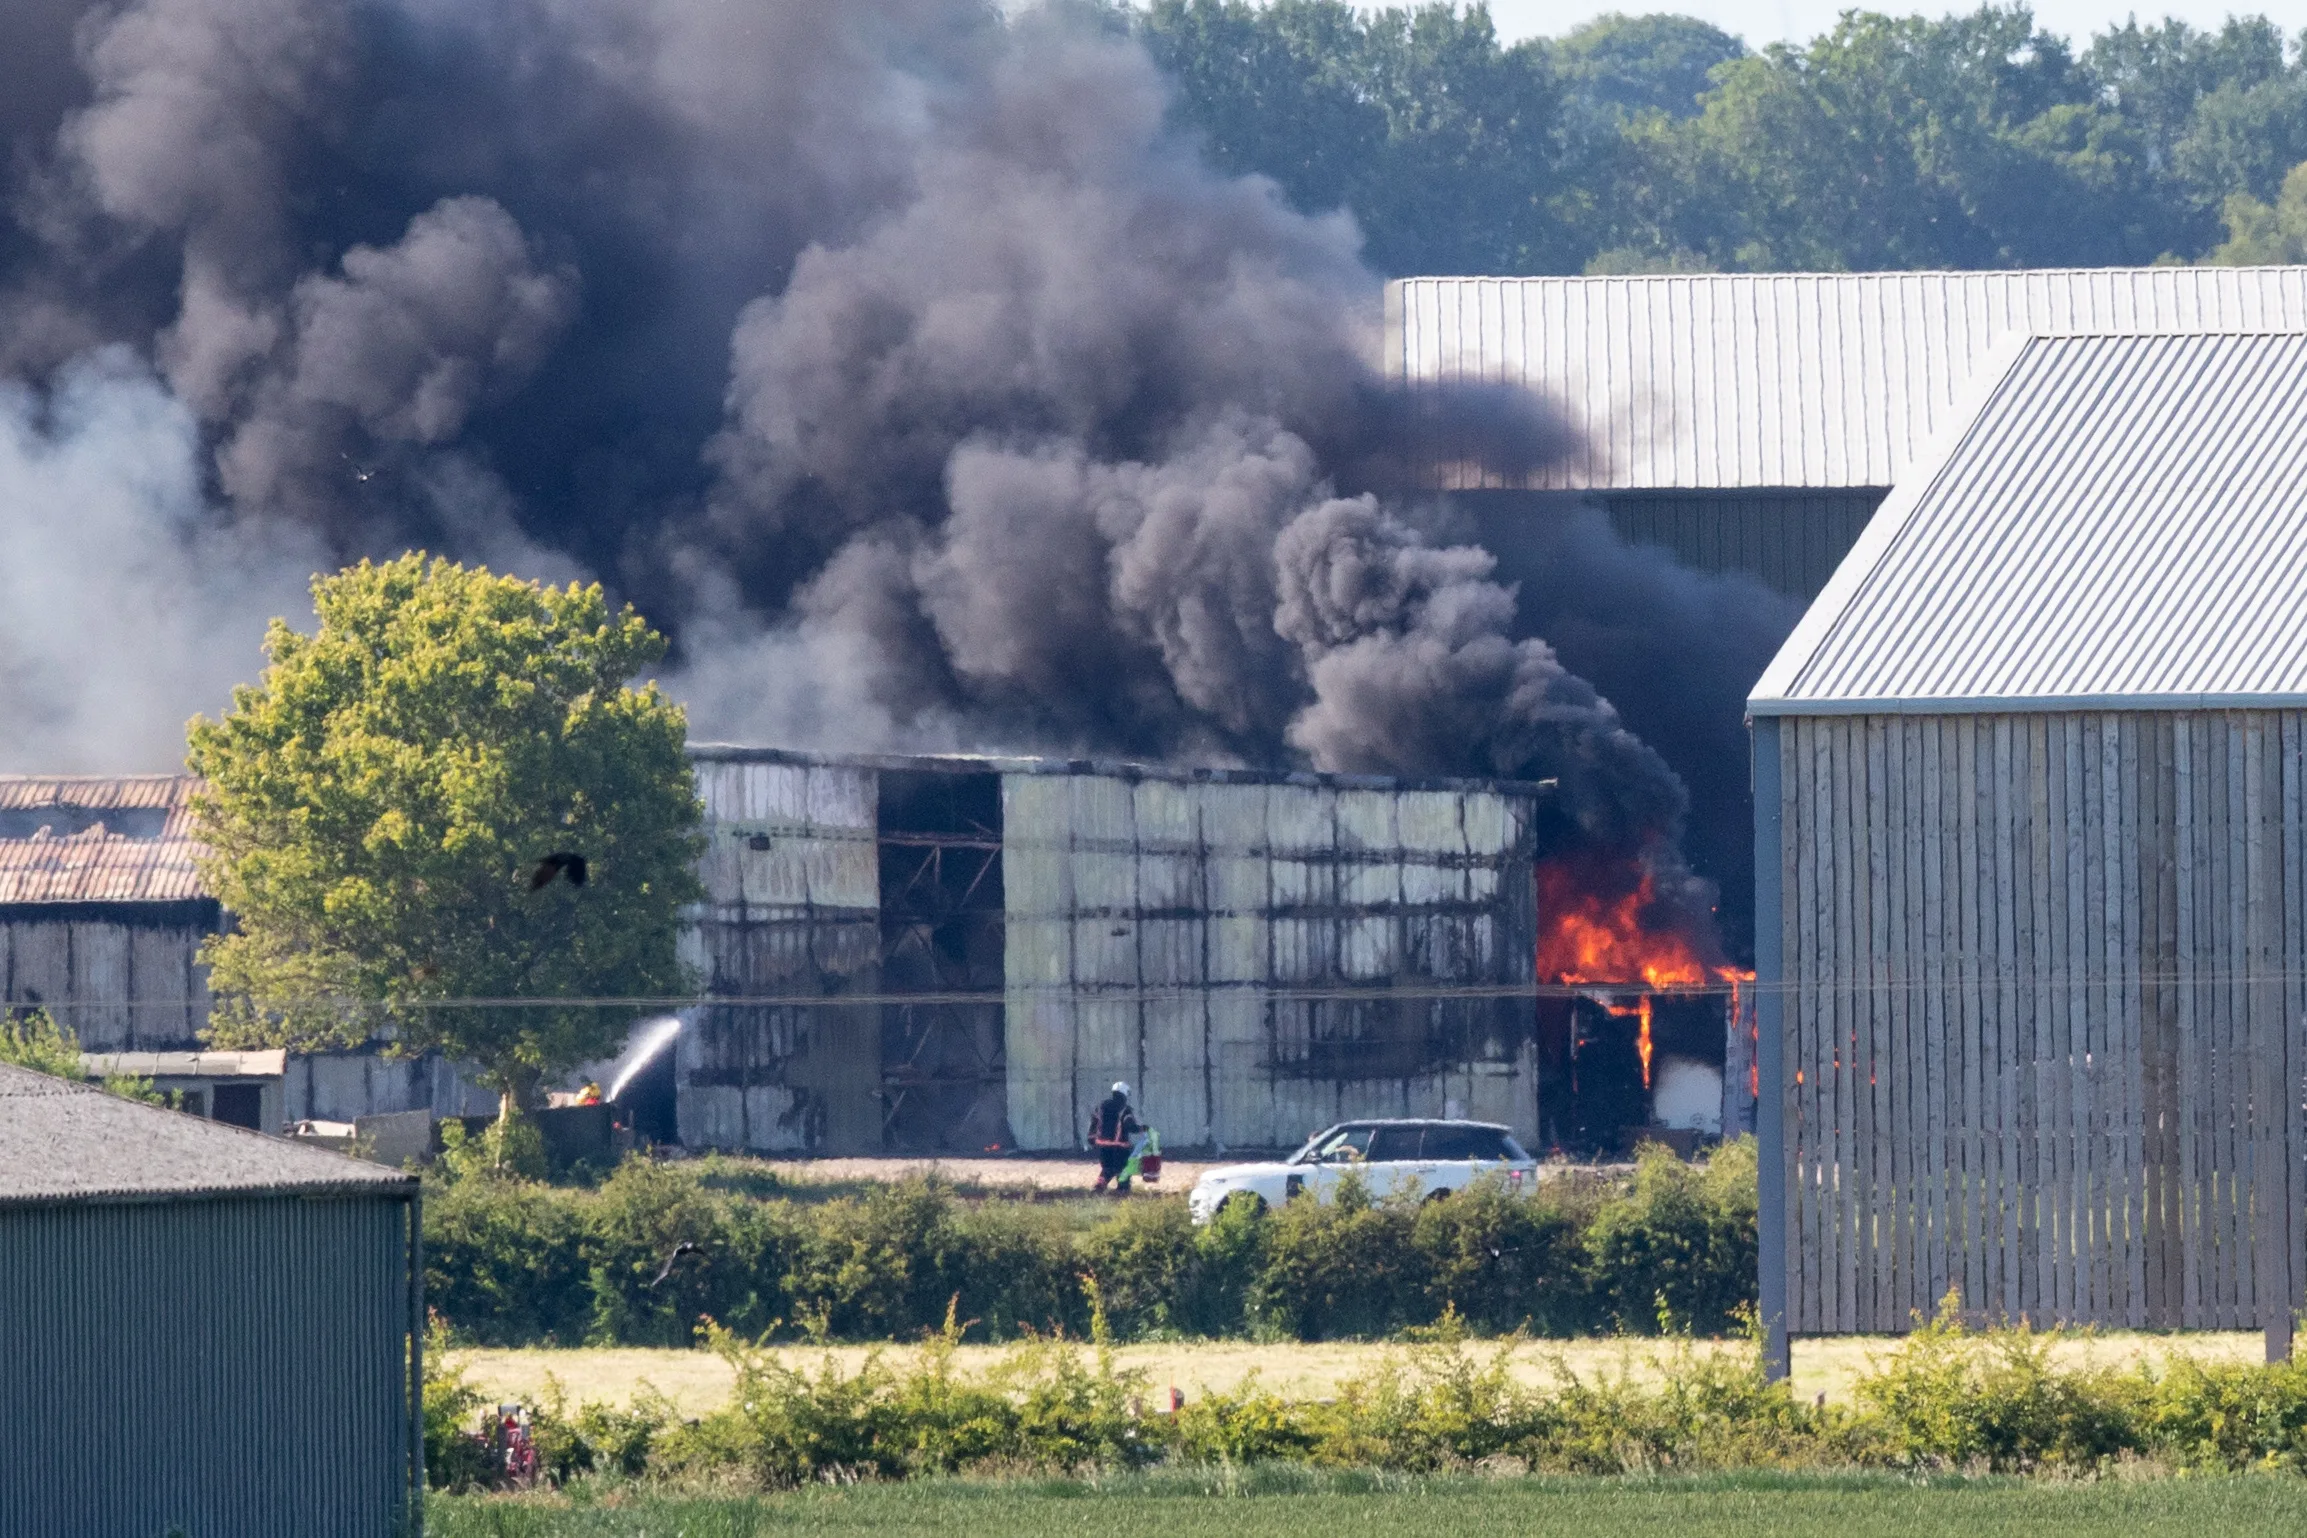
(697, 1381)
(1051, 1175)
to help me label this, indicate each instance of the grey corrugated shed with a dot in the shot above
(2121, 525)
(64, 1142)
(1786, 379)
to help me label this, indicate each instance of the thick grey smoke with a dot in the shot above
(897, 357)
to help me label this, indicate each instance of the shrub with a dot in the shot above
(1339, 1269)
(1952, 1398)
(1677, 1252)
(1946, 1398)
(661, 1252)
(505, 1262)
(640, 1259)
(1503, 1261)
(2221, 1416)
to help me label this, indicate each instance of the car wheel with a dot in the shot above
(1436, 1195)
(1247, 1199)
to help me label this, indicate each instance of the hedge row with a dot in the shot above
(656, 1248)
(1944, 1400)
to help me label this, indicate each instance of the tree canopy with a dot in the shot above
(378, 808)
(1657, 141)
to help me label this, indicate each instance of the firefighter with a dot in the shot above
(1113, 1132)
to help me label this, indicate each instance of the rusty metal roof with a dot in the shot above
(118, 839)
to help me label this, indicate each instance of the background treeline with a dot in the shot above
(1658, 142)
(642, 1258)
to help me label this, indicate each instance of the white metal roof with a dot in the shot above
(2120, 523)
(1789, 379)
(270, 1064)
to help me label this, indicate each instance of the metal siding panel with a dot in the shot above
(249, 1377)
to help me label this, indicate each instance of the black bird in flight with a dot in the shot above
(679, 1250)
(559, 862)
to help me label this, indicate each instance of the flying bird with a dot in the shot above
(679, 1250)
(559, 862)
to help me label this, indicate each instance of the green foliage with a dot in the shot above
(1678, 1251)
(2260, 233)
(1952, 1398)
(2213, 1416)
(1447, 145)
(1946, 1398)
(1659, 143)
(1502, 1261)
(640, 1259)
(453, 1460)
(374, 806)
(33, 1039)
(1339, 1269)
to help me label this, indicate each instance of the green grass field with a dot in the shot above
(1287, 1504)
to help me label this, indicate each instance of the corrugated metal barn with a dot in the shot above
(2031, 809)
(1753, 422)
(101, 911)
(208, 1332)
(1257, 953)
(102, 914)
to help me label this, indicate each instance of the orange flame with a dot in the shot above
(1592, 937)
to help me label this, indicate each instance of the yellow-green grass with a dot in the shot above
(1293, 1504)
(698, 1381)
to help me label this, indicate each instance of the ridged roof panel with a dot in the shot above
(116, 839)
(2121, 524)
(70, 1142)
(1782, 379)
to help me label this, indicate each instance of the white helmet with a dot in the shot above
(1121, 1089)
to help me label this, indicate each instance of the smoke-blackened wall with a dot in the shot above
(895, 356)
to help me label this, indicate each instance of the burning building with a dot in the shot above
(957, 954)
(1747, 425)
(2031, 826)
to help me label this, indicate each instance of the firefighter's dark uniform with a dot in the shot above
(1113, 1127)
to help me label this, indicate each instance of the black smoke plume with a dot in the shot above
(893, 354)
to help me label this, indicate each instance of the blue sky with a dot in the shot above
(1769, 21)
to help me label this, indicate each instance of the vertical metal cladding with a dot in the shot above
(2044, 976)
(224, 1368)
(792, 908)
(1260, 956)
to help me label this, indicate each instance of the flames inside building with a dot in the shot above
(959, 954)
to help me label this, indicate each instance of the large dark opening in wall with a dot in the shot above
(944, 1085)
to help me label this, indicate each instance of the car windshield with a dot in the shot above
(1339, 1145)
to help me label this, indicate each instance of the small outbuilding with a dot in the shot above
(2031, 817)
(203, 1330)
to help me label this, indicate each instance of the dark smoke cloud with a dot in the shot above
(894, 355)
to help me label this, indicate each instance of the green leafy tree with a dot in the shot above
(377, 808)
(1446, 145)
(2261, 233)
(1620, 66)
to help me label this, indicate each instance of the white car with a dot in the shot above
(1424, 1160)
